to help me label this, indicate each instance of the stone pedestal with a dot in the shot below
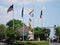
(31, 36)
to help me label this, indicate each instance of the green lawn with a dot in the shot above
(32, 43)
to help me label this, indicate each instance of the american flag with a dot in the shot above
(30, 20)
(10, 8)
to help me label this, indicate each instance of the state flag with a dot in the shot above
(31, 12)
(41, 14)
(30, 20)
(22, 12)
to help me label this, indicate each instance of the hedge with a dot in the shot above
(31, 43)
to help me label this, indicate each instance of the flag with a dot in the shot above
(10, 8)
(41, 14)
(30, 25)
(22, 12)
(30, 20)
(31, 12)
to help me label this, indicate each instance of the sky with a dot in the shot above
(51, 11)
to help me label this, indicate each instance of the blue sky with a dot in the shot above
(51, 11)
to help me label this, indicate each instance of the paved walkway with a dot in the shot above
(54, 43)
(3, 44)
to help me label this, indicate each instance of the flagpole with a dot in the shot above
(23, 28)
(23, 20)
(41, 19)
(33, 27)
(13, 18)
(11, 8)
(33, 20)
(30, 21)
(42, 23)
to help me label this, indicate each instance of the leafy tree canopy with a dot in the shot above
(57, 31)
(2, 29)
(39, 31)
(17, 23)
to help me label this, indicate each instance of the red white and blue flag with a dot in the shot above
(31, 13)
(10, 8)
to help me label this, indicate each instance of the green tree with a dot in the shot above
(2, 31)
(12, 35)
(41, 32)
(12, 32)
(17, 23)
(46, 31)
(57, 31)
(37, 30)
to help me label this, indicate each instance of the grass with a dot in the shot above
(32, 42)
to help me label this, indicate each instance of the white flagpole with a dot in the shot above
(42, 23)
(41, 19)
(33, 26)
(33, 19)
(23, 20)
(13, 17)
(23, 29)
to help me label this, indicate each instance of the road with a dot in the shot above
(54, 43)
(3, 44)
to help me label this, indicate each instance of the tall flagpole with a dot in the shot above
(42, 23)
(11, 8)
(41, 17)
(33, 19)
(23, 28)
(13, 17)
(33, 27)
(23, 19)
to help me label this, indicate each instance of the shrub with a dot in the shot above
(31, 43)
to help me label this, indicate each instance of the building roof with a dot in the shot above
(26, 29)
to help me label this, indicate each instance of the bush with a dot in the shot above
(31, 43)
